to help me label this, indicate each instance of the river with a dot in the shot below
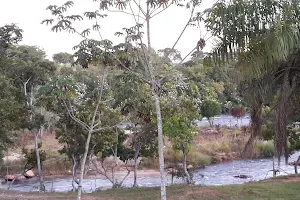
(225, 120)
(218, 174)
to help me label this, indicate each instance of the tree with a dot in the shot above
(28, 69)
(133, 96)
(63, 58)
(9, 35)
(181, 129)
(210, 108)
(264, 37)
(133, 39)
(86, 98)
(11, 113)
(114, 146)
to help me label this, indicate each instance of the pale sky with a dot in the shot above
(165, 28)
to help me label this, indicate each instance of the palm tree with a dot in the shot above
(263, 37)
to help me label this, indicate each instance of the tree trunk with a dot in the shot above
(82, 167)
(160, 148)
(38, 159)
(188, 178)
(74, 173)
(136, 155)
(255, 129)
(282, 112)
(158, 112)
(296, 165)
(210, 121)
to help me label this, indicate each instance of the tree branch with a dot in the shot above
(159, 11)
(140, 8)
(192, 13)
(121, 11)
(98, 104)
(71, 114)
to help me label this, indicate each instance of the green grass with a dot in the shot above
(272, 190)
(257, 191)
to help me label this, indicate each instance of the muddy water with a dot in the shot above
(218, 174)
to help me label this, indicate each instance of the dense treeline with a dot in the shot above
(86, 97)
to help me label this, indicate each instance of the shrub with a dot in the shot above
(149, 163)
(264, 148)
(198, 159)
(223, 147)
(267, 130)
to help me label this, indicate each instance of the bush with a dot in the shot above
(223, 147)
(198, 159)
(194, 158)
(149, 163)
(264, 149)
(267, 130)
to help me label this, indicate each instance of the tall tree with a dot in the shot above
(28, 69)
(181, 130)
(133, 96)
(12, 109)
(262, 35)
(133, 39)
(87, 100)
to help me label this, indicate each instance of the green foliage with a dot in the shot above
(9, 35)
(210, 108)
(63, 58)
(294, 139)
(267, 130)
(30, 156)
(179, 123)
(265, 148)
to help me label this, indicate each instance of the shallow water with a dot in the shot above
(218, 174)
(256, 169)
(226, 120)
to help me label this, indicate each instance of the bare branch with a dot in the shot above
(98, 104)
(136, 21)
(128, 172)
(192, 13)
(121, 11)
(151, 16)
(140, 8)
(72, 115)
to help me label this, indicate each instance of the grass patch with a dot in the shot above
(194, 158)
(235, 192)
(264, 149)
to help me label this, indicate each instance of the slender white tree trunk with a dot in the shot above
(82, 166)
(38, 159)
(158, 112)
(160, 148)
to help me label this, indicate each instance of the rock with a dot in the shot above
(190, 167)
(294, 163)
(241, 176)
(11, 177)
(29, 174)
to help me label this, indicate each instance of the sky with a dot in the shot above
(165, 27)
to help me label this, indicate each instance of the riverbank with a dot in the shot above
(286, 187)
(213, 145)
